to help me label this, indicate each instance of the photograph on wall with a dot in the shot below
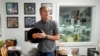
(29, 8)
(92, 52)
(29, 22)
(11, 8)
(75, 51)
(48, 5)
(12, 22)
(75, 23)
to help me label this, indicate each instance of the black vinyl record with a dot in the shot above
(32, 31)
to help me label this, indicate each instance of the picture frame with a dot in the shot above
(26, 39)
(12, 8)
(30, 21)
(12, 22)
(75, 51)
(29, 8)
(90, 52)
(48, 5)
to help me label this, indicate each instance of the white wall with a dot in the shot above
(18, 33)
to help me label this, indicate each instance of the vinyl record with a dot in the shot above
(32, 38)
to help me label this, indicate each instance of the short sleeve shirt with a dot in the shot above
(50, 28)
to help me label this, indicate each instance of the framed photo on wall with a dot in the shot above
(91, 52)
(12, 22)
(11, 8)
(29, 22)
(29, 8)
(48, 5)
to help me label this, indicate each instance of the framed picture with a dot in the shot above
(29, 22)
(48, 5)
(75, 51)
(91, 51)
(26, 35)
(11, 8)
(12, 22)
(29, 8)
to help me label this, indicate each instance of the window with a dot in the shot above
(75, 23)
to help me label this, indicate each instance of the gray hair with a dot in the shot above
(42, 7)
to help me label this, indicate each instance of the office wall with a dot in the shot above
(18, 33)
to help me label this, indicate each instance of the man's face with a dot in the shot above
(45, 13)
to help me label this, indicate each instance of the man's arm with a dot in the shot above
(54, 37)
(51, 37)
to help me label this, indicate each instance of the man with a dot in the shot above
(49, 33)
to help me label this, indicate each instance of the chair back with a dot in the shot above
(4, 51)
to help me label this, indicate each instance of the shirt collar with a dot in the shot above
(45, 21)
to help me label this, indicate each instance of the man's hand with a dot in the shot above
(34, 35)
(41, 35)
